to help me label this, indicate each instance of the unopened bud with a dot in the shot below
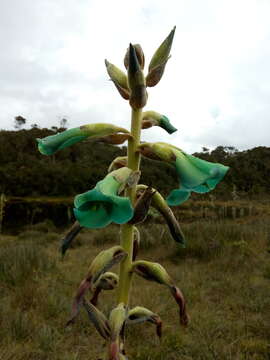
(136, 81)
(116, 320)
(139, 54)
(142, 206)
(102, 262)
(117, 163)
(119, 79)
(160, 204)
(157, 151)
(159, 60)
(136, 243)
(107, 281)
(152, 271)
(68, 238)
(140, 314)
(114, 139)
(98, 319)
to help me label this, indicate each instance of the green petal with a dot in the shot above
(50, 144)
(164, 122)
(198, 175)
(177, 197)
(95, 217)
(100, 206)
(122, 210)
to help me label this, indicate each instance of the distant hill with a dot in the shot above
(25, 172)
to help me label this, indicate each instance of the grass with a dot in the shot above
(224, 273)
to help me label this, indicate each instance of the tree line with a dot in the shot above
(26, 172)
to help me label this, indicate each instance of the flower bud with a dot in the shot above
(153, 118)
(116, 320)
(117, 163)
(68, 238)
(157, 151)
(98, 319)
(114, 139)
(136, 81)
(158, 62)
(142, 206)
(160, 204)
(140, 314)
(107, 281)
(102, 262)
(152, 271)
(139, 54)
(136, 243)
(119, 79)
(155, 272)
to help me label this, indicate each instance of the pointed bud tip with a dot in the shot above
(133, 60)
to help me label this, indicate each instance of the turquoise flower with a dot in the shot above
(194, 174)
(153, 118)
(100, 206)
(51, 144)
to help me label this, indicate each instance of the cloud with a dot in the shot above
(216, 87)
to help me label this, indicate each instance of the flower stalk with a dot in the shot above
(127, 230)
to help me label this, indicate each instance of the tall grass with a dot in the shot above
(223, 272)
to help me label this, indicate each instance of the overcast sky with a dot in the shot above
(215, 90)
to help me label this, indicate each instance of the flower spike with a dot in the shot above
(153, 118)
(159, 60)
(53, 143)
(100, 206)
(119, 79)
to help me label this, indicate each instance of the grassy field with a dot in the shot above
(224, 273)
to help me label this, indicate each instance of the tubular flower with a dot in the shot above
(153, 118)
(194, 174)
(100, 206)
(51, 144)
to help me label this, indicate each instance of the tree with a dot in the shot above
(19, 121)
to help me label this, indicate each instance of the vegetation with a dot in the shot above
(224, 272)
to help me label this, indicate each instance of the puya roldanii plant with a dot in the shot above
(119, 198)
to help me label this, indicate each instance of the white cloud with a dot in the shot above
(216, 85)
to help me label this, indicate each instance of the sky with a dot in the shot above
(215, 89)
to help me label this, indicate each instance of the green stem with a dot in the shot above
(127, 229)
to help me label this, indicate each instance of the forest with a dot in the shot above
(35, 186)
(26, 172)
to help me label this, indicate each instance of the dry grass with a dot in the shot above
(224, 273)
